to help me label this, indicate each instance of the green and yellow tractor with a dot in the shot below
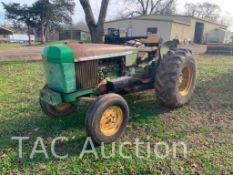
(106, 72)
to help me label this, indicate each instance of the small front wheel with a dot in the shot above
(57, 111)
(107, 118)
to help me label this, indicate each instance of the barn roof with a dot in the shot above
(150, 17)
(5, 31)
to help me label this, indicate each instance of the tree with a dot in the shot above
(150, 7)
(191, 9)
(51, 14)
(81, 25)
(96, 28)
(44, 15)
(206, 10)
(21, 15)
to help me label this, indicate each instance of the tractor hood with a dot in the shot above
(84, 52)
(73, 52)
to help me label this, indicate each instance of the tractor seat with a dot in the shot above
(152, 39)
(147, 49)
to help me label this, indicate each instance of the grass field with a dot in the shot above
(205, 125)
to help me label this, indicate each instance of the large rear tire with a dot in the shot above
(107, 118)
(175, 78)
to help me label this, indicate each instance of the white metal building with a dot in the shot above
(20, 38)
(220, 36)
(184, 28)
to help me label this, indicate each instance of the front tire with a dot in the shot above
(175, 78)
(57, 111)
(107, 118)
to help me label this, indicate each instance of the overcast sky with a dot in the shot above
(117, 5)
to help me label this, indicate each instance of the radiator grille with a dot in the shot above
(87, 74)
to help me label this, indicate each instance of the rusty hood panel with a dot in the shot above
(85, 52)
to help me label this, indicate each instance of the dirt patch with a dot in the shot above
(196, 49)
(27, 53)
(21, 53)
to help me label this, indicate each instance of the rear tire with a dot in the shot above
(107, 118)
(175, 78)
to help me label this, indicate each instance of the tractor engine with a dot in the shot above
(91, 73)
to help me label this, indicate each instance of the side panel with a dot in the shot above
(51, 97)
(60, 77)
(131, 59)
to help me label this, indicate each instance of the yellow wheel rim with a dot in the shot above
(185, 81)
(111, 120)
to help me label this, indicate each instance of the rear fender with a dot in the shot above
(168, 45)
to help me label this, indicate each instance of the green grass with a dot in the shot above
(206, 125)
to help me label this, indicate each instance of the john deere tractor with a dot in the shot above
(106, 72)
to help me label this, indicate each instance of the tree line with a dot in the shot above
(208, 11)
(48, 15)
(43, 15)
